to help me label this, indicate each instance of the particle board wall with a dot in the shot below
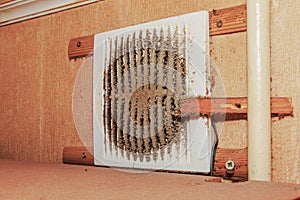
(285, 73)
(36, 79)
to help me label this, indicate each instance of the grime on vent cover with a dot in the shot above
(143, 83)
(141, 73)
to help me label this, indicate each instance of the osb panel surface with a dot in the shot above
(37, 77)
(229, 56)
(285, 73)
(57, 181)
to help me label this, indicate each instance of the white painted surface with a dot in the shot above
(197, 156)
(259, 117)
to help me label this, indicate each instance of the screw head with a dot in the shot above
(83, 155)
(229, 165)
(78, 44)
(219, 23)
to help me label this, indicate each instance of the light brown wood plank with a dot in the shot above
(80, 47)
(280, 106)
(77, 155)
(233, 20)
(238, 156)
(228, 20)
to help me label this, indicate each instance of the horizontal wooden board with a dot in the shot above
(77, 155)
(80, 47)
(222, 21)
(238, 156)
(228, 20)
(235, 108)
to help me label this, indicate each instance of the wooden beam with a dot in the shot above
(233, 107)
(81, 47)
(238, 156)
(222, 21)
(77, 156)
(228, 20)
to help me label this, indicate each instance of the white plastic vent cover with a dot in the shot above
(140, 75)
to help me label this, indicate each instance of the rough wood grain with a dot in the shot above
(280, 106)
(77, 155)
(238, 156)
(82, 46)
(222, 21)
(228, 20)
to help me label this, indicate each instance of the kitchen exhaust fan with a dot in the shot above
(141, 73)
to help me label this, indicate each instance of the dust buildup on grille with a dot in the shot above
(143, 83)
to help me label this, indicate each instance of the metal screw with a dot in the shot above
(219, 23)
(78, 44)
(83, 155)
(229, 165)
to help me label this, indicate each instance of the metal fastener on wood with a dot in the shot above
(219, 23)
(229, 165)
(83, 155)
(78, 44)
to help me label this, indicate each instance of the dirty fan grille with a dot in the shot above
(143, 83)
(141, 74)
